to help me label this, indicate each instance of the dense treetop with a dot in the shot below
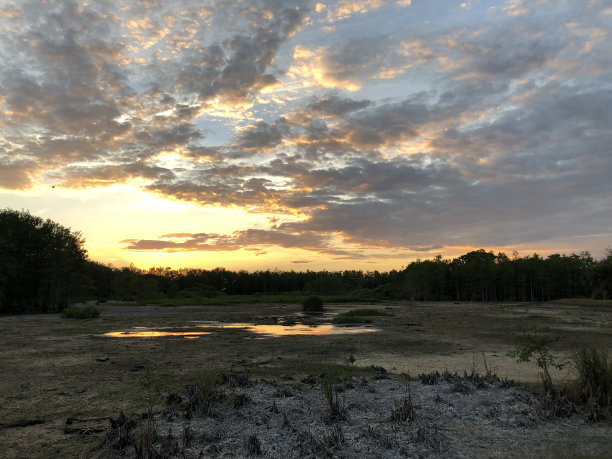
(41, 264)
(43, 267)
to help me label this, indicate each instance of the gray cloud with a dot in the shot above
(236, 68)
(336, 106)
(478, 132)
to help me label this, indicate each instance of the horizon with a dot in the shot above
(304, 135)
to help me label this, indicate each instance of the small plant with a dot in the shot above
(530, 344)
(81, 312)
(313, 304)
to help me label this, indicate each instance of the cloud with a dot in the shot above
(350, 65)
(334, 105)
(360, 126)
(14, 175)
(235, 68)
(252, 238)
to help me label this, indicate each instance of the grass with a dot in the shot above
(594, 387)
(81, 312)
(586, 302)
(225, 300)
(228, 300)
(202, 391)
(358, 316)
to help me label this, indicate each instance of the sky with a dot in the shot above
(280, 134)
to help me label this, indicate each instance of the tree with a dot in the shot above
(42, 264)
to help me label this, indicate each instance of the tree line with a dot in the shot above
(44, 267)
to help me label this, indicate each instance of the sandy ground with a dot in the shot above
(54, 369)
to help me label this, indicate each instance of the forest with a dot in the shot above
(44, 268)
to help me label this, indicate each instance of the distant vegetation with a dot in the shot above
(42, 264)
(313, 304)
(81, 312)
(44, 268)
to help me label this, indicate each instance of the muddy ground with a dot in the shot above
(53, 369)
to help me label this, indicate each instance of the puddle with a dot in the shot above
(154, 334)
(270, 331)
(297, 329)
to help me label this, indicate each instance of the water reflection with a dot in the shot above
(261, 330)
(297, 329)
(154, 334)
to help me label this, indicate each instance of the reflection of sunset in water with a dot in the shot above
(264, 330)
(297, 329)
(154, 334)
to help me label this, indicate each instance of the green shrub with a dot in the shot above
(81, 312)
(536, 345)
(313, 304)
(594, 370)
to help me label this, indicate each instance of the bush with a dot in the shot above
(533, 344)
(594, 371)
(313, 304)
(81, 312)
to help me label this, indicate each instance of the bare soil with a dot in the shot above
(55, 369)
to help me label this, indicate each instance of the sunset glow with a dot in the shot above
(269, 134)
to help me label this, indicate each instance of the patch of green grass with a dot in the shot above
(582, 302)
(350, 298)
(365, 312)
(350, 320)
(224, 300)
(536, 316)
(358, 316)
(81, 312)
(228, 300)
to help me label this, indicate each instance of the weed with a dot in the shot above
(120, 433)
(286, 424)
(383, 437)
(200, 395)
(81, 312)
(403, 410)
(253, 446)
(331, 378)
(240, 400)
(143, 445)
(237, 379)
(336, 439)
